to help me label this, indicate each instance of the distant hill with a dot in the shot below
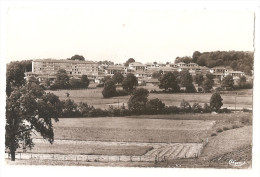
(237, 60)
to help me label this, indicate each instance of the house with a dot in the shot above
(112, 69)
(137, 66)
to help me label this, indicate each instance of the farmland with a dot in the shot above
(243, 99)
(139, 140)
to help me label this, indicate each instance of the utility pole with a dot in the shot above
(236, 101)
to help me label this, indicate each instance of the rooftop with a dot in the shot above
(64, 61)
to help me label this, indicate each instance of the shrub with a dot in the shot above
(122, 93)
(171, 110)
(109, 89)
(196, 108)
(185, 106)
(137, 102)
(246, 110)
(213, 134)
(207, 108)
(219, 130)
(235, 126)
(100, 85)
(225, 128)
(245, 120)
(154, 106)
(225, 110)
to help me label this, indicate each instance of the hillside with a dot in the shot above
(237, 60)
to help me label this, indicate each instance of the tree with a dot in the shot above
(196, 108)
(118, 78)
(155, 106)
(77, 57)
(84, 109)
(130, 60)
(137, 102)
(75, 83)
(186, 81)
(227, 83)
(69, 108)
(183, 59)
(207, 85)
(195, 56)
(130, 82)
(199, 78)
(109, 89)
(84, 81)
(14, 76)
(62, 79)
(26, 112)
(157, 74)
(168, 82)
(185, 106)
(208, 82)
(216, 102)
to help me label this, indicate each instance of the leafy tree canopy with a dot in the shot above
(77, 57)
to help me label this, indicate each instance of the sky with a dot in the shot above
(146, 35)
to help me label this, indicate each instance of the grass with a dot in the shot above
(132, 129)
(227, 141)
(128, 150)
(94, 97)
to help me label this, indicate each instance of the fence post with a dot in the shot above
(119, 158)
(108, 158)
(140, 158)
(20, 155)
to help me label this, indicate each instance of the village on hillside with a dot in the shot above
(46, 69)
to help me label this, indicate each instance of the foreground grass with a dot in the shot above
(79, 149)
(227, 141)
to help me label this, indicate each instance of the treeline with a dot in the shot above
(237, 60)
(139, 104)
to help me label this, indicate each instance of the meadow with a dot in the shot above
(176, 136)
(239, 99)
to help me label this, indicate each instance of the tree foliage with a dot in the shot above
(118, 78)
(15, 74)
(183, 59)
(130, 83)
(227, 83)
(237, 60)
(199, 78)
(109, 89)
(138, 100)
(77, 57)
(169, 82)
(130, 60)
(216, 102)
(155, 106)
(28, 108)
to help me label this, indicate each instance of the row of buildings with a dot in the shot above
(46, 69)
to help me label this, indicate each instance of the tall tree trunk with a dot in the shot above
(12, 149)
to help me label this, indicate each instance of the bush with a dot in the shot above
(207, 108)
(185, 106)
(235, 126)
(213, 134)
(225, 110)
(219, 130)
(154, 106)
(196, 108)
(246, 110)
(225, 128)
(245, 120)
(122, 93)
(171, 110)
(100, 85)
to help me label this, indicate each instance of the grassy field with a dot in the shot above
(83, 149)
(228, 141)
(244, 98)
(132, 129)
(179, 128)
